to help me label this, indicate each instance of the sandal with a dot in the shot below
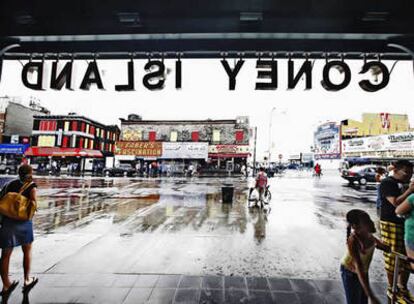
(27, 287)
(6, 293)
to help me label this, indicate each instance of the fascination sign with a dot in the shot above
(154, 75)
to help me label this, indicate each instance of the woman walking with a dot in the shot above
(14, 233)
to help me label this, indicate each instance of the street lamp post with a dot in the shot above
(270, 134)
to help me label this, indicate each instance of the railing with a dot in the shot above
(398, 258)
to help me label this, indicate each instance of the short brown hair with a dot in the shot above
(24, 171)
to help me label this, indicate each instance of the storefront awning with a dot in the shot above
(13, 148)
(62, 152)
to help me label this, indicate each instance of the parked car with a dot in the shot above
(293, 166)
(8, 168)
(361, 174)
(121, 170)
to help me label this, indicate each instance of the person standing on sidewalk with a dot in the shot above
(406, 209)
(355, 264)
(379, 176)
(14, 233)
(392, 226)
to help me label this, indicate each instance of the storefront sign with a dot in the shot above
(139, 148)
(226, 151)
(326, 142)
(13, 148)
(184, 150)
(62, 152)
(154, 75)
(401, 141)
(394, 143)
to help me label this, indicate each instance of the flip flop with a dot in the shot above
(6, 293)
(31, 285)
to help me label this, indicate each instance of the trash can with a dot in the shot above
(227, 192)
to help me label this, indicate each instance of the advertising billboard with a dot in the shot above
(394, 142)
(327, 141)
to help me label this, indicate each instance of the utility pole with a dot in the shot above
(270, 134)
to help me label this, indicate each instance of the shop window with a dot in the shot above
(91, 144)
(86, 143)
(65, 141)
(74, 126)
(173, 136)
(132, 135)
(52, 125)
(194, 136)
(48, 125)
(42, 125)
(59, 125)
(36, 124)
(239, 136)
(87, 128)
(66, 127)
(152, 135)
(216, 136)
(46, 141)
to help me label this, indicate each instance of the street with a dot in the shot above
(179, 226)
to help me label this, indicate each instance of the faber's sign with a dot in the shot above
(138, 148)
(154, 75)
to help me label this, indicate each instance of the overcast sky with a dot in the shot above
(205, 95)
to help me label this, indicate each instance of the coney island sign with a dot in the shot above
(153, 76)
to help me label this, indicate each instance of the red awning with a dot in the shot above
(59, 152)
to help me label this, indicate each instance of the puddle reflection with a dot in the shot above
(139, 206)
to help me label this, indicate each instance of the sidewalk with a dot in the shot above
(160, 289)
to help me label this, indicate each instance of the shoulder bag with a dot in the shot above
(16, 206)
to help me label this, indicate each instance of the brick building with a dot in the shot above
(72, 140)
(211, 145)
(16, 123)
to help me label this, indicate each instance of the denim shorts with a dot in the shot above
(354, 292)
(409, 245)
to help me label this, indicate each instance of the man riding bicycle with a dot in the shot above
(318, 170)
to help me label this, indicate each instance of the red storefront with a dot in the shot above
(72, 143)
(73, 161)
(228, 157)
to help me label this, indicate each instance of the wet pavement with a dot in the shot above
(123, 229)
(160, 289)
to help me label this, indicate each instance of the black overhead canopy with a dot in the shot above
(208, 27)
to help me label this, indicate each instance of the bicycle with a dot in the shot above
(264, 199)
